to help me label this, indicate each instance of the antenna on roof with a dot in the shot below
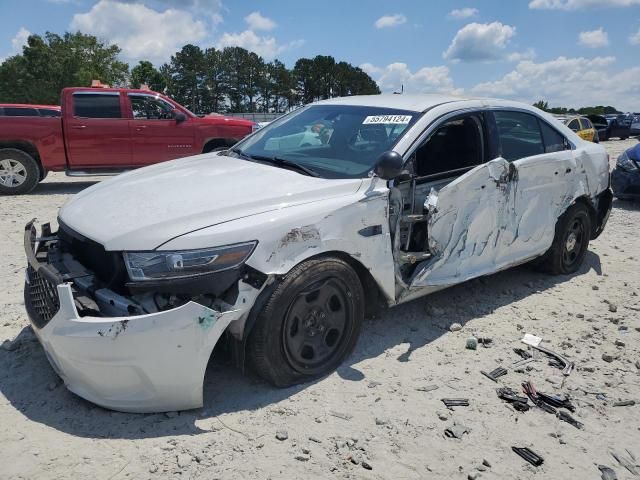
(401, 90)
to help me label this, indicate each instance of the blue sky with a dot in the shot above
(569, 52)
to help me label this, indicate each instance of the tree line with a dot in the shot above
(597, 110)
(203, 80)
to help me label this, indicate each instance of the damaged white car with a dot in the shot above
(284, 243)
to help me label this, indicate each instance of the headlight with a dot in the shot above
(625, 163)
(185, 263)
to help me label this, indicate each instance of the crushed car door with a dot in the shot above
(501, 213)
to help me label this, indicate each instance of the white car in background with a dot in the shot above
(286, 241)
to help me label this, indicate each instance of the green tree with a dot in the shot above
(321, 77)
(214, 80)
(542, 105)
(236, 64)
(186, 84)
(146, 74)
(50, 63)
(305, 80)
(284, 93)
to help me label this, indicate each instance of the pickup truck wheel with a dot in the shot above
(573, 230)
(19, 172)
(309, 324)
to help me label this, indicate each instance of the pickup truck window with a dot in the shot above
(47, 112)
(96, 105)
(148, 107)
(20, 112)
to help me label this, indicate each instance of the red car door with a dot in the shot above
(96, 131)
(157, 134)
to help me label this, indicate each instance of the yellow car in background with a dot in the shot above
(583, 127)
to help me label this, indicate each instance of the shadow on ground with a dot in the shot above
(61, 188)
(31, 386)
(627, 205)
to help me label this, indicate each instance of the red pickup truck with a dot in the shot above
(106, 131)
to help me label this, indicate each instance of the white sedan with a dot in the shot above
(289, 239)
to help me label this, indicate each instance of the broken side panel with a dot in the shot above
(497, 215)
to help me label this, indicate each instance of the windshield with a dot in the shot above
(333, 141)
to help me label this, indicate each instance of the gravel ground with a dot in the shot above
(380, 414)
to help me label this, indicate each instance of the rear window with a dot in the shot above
(519, 134)
(20, 112)
(96, 105)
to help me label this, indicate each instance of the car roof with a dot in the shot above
(413, 102)
(26, 105)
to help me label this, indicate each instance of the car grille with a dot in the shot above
(42, 298)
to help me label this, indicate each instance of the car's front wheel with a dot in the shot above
(19, 172)
(571, 241)
(309, 324)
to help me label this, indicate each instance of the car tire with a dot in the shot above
(570, 243)
(309, 324)
(19, 172)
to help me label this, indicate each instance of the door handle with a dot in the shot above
(139, 128)
(79, 127)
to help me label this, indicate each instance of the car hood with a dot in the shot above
(145, 208)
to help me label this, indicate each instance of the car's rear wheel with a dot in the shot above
(309, 324)
(571, 241)
(19, 172)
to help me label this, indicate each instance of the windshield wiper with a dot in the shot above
(278, 162)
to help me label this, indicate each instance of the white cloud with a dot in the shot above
(20, 40)
(594, 38)
(579, 4)
(462, 13)
(425, 80)
(555, 81)
(528, 54)
(17, 42)
(266, 47)
(257, 21)
(634, 38)
(141, 32)
(211, 8)
(387, 21)
(480, 41)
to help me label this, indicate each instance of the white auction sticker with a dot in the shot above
(387, 119)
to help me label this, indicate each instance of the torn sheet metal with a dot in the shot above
(501, 214)
(145, 363)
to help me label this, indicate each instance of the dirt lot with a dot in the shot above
(377, 416)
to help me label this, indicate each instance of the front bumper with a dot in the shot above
(142, 363)
(625, 184)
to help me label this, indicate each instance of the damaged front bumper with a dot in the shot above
(150, 362)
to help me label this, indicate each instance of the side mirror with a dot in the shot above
(389, 165)
(178, 116)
